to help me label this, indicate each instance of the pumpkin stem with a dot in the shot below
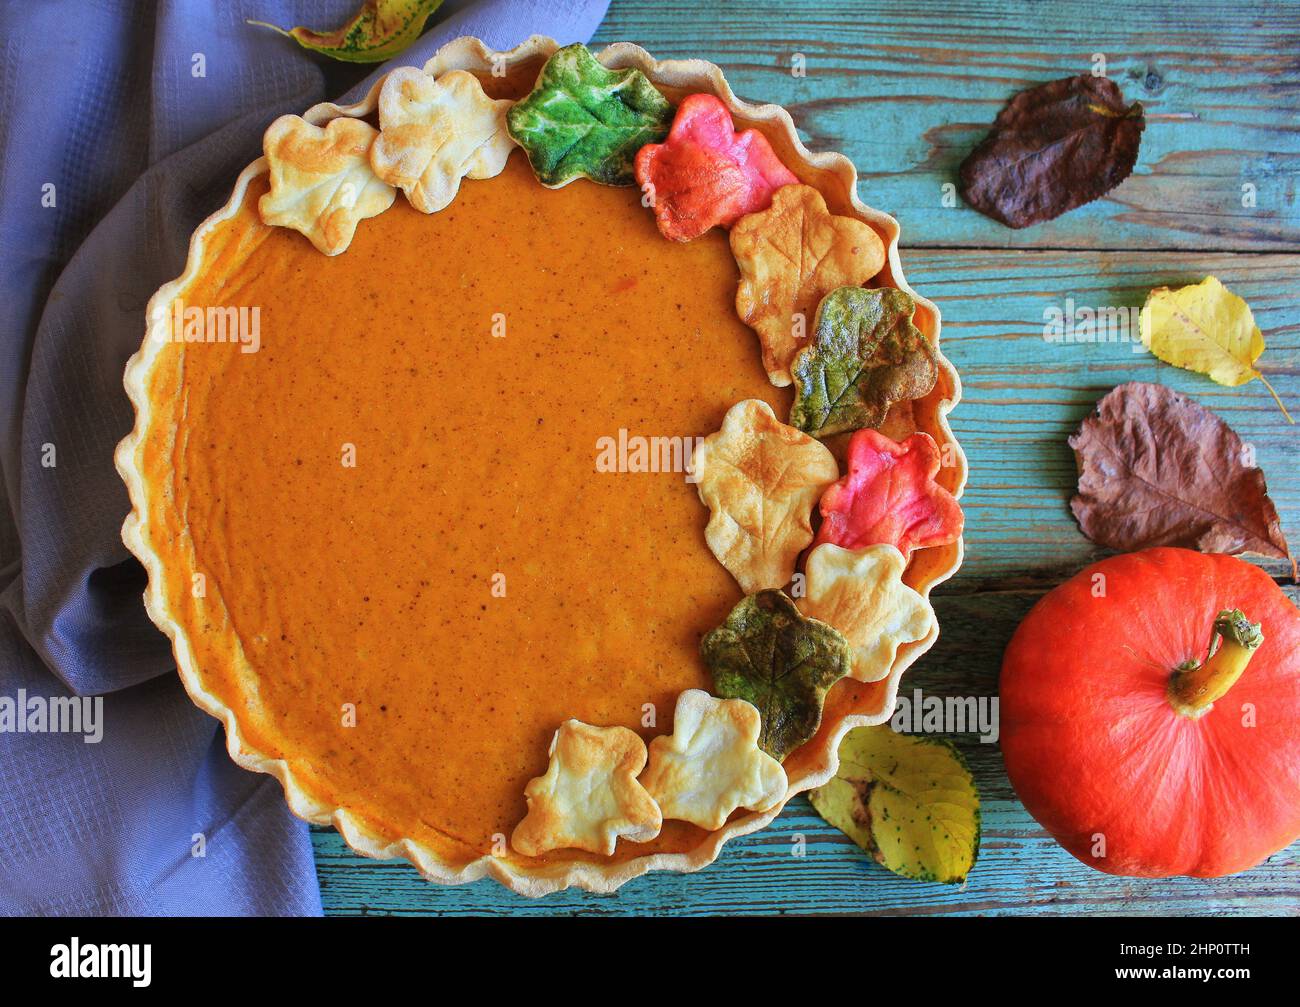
(1193, 689)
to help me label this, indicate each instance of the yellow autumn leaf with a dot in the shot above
(1205, 327)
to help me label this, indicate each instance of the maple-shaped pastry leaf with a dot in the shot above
(865, 355)
(321, 180)
(711, 764)
(1052, 148)
(589, 797)
(379, 30)
(908, 800)
(706, 174)
(434, 132)
(790, 256)
(861, 593)
(760, 480)
(889, 495)
(769, 654)
(1205, 327)
(1156, 468)
(581, 120)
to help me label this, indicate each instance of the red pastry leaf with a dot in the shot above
(705, 173)
(1052, 148)
(1156, 468)
(890, 495)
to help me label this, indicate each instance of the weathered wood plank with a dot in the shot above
(1023, 396)
(1020, 870)
(905, 89)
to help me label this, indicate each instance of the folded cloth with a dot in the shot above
(122, 126)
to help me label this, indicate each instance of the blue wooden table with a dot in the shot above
(905, 89)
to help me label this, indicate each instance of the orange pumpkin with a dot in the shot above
(1139, 750)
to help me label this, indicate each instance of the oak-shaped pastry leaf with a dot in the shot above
(1053, 147)
(711, 764)
(861, 593)
(760, 480)
(1205, 327)
(908, 800)
(790, 256)
(379, 30)
(865, 355)
(321, 180)
(889, 495)
(583, 121)
(706, 174)
(589, 797)
(1156, 468)
(434, 132)
(769, 654)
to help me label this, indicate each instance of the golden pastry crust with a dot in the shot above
(321, 181)
(861, 593)
(711, 764)
(436, 131)
(589, 797)
(760, 480)
(791, 255)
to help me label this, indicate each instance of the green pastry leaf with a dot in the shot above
(769, 654)
(864, 356)
(908, 800)
(378, 31)
(584, 120)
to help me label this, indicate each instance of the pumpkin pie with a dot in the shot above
(467, 485)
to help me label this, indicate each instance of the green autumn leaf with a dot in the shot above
(584, 120)
(864, 356)
(771, 655)
(908, 800)
(378, 31)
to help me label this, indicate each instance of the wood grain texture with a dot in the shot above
(906, 89)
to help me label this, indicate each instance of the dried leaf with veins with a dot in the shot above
(771, 655)
(589, 797)
(791, 255)
(760, 480)
(711, 764)
(1156, 468)
(321, 180)
(861, 593)
(908, 800)
(379, 30)
(890, 495)
(706, 174)
(434, 132)
(1053, 147)
(865, 355)
(1205, 327)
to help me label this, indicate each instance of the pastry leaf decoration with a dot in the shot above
(865, 355)
(861, 593)
(1205, 327)
(769, 654)
(1053, 147)
(790, 256)
(890, 495)
(584, 121)
(711, 764)
(379, 30)
(760, 480)
(1156, 468)
(908, 800)
(322, 184)
(434, 132)
(706, 174)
